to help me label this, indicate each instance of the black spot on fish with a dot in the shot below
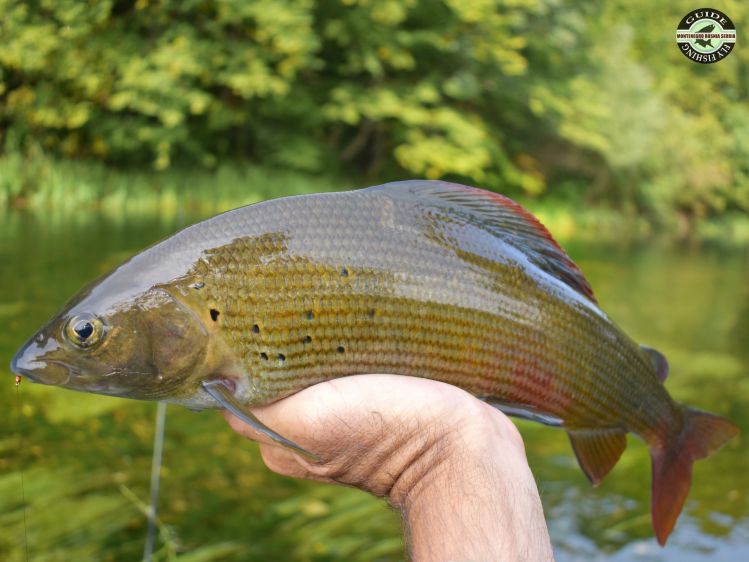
(256, 329)
(214, 314)
(371, 313)
(198, 285)
(344, 272)
(264, 356)
(281, 357)
(307, 339)
(340, 349)
(310, 315)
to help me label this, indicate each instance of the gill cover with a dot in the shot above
(175, 334)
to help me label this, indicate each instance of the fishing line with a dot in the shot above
(20, 468)
(158, 448)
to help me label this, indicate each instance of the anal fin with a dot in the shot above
(597, 450)
(225, 397)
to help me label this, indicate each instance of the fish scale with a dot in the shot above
(420, 278)
(280, 282)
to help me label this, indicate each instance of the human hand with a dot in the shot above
(454, 466)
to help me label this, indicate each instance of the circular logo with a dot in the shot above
(706, 35)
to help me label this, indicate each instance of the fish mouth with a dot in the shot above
(28, 363)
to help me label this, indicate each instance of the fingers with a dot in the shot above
(305, 418)
(276, 457)
(249, 432)
(369, 428)
(354, 409)
(281, 461)
(291, 417)
(288, 463)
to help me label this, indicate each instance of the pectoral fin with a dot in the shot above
(597, 450)
(224, 396)
(523, 411)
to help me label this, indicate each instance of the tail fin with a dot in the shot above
(702, 434)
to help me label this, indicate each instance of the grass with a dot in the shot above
(87, 486)
(59, 188)
(43, 184)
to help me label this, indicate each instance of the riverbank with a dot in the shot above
(60, 188)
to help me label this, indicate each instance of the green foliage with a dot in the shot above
(515, 95)
(124, 81)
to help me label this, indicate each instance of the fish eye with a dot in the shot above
(84, 331)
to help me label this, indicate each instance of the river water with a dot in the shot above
(85, 459)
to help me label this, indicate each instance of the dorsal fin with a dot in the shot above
(505, 219)
(658, 360)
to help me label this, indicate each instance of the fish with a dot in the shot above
(705, 42)
(423, 278)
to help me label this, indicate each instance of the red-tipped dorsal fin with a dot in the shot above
(507, 220)
(701, 435)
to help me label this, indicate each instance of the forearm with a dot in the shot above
(477, 501)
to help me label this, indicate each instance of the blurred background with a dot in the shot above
(122, 121)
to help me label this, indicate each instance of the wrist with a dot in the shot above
(478, 439)
(472, 497)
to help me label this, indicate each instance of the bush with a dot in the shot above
(508, 94)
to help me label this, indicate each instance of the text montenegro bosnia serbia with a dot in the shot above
(420, 278)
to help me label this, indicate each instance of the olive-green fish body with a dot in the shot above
(427, 279)
(360, 283)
